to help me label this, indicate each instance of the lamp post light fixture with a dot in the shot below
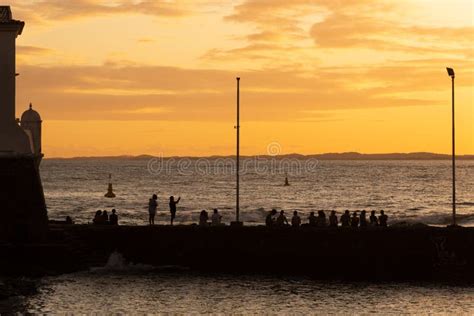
(452, 75)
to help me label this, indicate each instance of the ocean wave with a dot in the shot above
(441, 219)
(116, 263)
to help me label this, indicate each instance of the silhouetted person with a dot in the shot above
(373, 219)
(105, 217)
(354, 220)
(113, 218)
(345, 219)
(362, 219)
(216, 218)
(203, 217)
(69, 220)
(281, 219)
(383, 219)
(295, 220)
(333, 219)
(269, 220)
(313, 220)
(98, 217)
(321, 220)
(152, 206)
(173, 207)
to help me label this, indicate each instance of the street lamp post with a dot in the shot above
(452, 75)
(237, 174)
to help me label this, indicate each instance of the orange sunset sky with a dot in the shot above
(113, 77)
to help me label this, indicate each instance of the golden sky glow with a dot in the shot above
(113, 77)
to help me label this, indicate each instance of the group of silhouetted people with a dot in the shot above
(153, 206)
(103, 218)
(347, 220)
(216, 218)
(355, 220)
(273, 219)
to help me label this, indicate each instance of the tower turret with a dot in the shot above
(31, 123)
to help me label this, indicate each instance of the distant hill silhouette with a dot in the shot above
(326, 156)
(390, 156)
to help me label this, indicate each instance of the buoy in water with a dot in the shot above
(110, 190)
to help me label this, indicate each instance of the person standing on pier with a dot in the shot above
(312, 219)
(321, 220)
(113, 218)
(362, 219)
(105, 217)
(173, 207)
(345, 219)
(354, 220)
(295, 220)
(373, 219)
(383, 219)
(203, 218)
(152, 206)
(98, 217)
(270, 219)
(216, 218)
(281, 219)
(333, 219)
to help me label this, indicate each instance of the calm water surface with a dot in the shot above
(144, 291)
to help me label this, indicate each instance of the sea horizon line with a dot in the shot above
(321, 156)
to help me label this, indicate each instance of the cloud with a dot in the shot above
(145, 40)
(32, 50)
(291, 50)
(287, 16)
(145, 110)
(362, 31)
(253, 51)
(170, 93)
(283, 29)
(27, 54)
(54, 10)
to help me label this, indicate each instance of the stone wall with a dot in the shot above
(407, 253)
(23, 215)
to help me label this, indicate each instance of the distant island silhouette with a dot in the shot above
(325, 156)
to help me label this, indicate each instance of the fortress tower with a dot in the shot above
(31, 123)
(13, 138)
(23, 215)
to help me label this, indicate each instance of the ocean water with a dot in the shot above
(411, 191)
(143, 289)
(414, 191)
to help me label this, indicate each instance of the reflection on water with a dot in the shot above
(142, 289)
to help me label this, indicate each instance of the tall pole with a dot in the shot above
(453, 155)
(237, 206)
